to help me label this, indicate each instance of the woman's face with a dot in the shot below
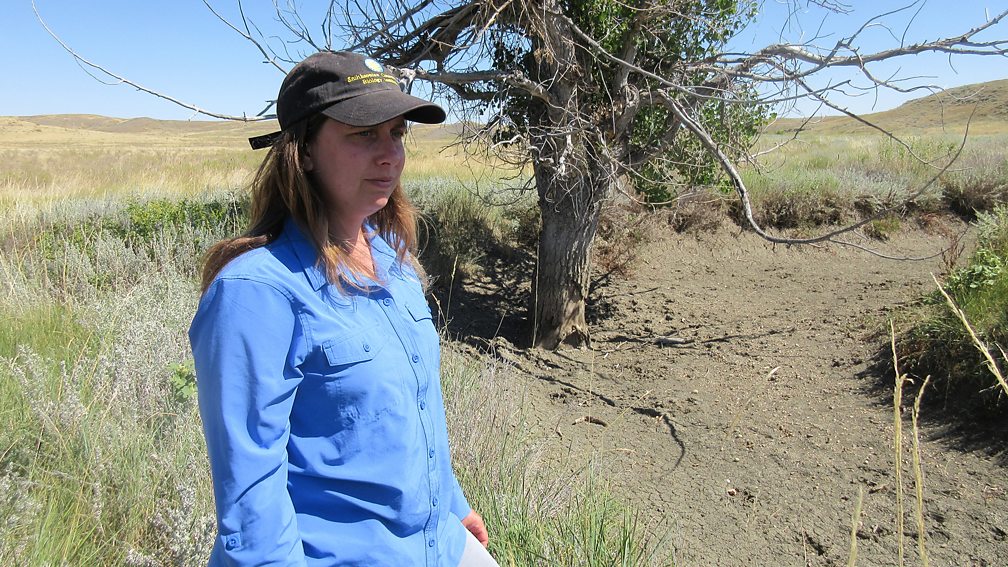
(356, 168)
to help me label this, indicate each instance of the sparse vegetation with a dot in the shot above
(938, 344)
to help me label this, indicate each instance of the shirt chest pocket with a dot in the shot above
(360, 381)
(359, 347)
(419, 312)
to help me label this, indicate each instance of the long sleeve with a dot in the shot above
(246, 340)
(460, 506)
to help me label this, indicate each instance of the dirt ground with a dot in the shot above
(730, 396)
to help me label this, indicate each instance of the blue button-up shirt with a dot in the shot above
(323, 415)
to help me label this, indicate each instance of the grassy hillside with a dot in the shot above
(44, 159)
(90, 129)
(943, 112)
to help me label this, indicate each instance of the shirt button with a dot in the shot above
(230, 543)
(416, 358)
(434, 502)
(423, 405)
(430, 453)
(430, 543)
(367, 347)
(387, 301)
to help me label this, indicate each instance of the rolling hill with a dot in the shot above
(983, 105)
(947, 110)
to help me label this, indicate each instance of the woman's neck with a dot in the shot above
(347, 232)
(354, 242)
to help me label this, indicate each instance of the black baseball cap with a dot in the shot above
(348, 87)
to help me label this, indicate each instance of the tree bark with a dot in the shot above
(570, 200)
(562, 277)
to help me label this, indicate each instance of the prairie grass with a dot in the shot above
(58, 164)
(49, 175)
(102, 459)
(832, 179)
(541, 516)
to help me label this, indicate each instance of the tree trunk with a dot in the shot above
(562, 276)
(572, 178)
(571, 191)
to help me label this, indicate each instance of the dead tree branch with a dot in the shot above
(150, 91)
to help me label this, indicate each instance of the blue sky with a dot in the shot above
(180, 48)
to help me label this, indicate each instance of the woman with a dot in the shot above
(317, 362)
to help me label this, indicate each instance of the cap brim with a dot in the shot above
(264, 141)
(376, 107)
(370, 109)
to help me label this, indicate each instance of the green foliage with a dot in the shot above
(667, 40)
(181, 228)
(733, 119)
(883, 228)
(939, 346)
(984, 270)
(144, 221)
(734, 127)
(183, 381)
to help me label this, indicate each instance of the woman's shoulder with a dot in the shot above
(274, 264)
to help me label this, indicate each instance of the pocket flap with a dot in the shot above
(359, 347)
(419, 311)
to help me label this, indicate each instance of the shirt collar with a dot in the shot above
(306, 253)
(383, 254)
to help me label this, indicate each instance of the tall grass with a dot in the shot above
(830, 179)
(102, 459)
(461, 229)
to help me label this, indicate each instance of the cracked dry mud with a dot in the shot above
(728, 397)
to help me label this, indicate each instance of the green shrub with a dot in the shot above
(939, 346)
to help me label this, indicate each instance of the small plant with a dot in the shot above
(183, 382)
(883, 228)
(941, 346)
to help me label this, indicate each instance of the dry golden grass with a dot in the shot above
(47, 159)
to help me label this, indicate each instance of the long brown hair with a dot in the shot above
(281, 189)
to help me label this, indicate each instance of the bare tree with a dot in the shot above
(600, 97)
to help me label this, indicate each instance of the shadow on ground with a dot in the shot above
(489, 302)
(964, 423)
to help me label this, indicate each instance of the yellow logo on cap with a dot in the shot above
(373, 65)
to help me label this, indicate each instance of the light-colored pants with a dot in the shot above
(475, 555)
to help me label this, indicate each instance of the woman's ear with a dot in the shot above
(306, 161)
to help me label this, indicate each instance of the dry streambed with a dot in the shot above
(728, 395)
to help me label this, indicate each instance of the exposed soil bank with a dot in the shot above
(729, 397)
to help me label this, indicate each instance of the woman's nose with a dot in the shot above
(391, 149)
